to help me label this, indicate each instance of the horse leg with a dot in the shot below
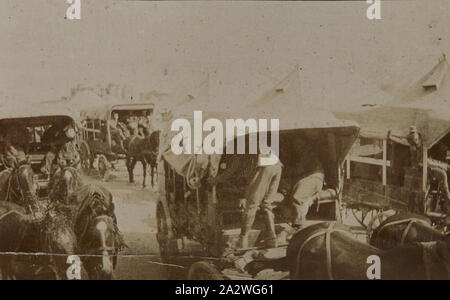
(152, 175)
(144, 167)
(131, 163)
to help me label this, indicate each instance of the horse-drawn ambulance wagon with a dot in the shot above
(35, 130)
(199, 223)
(104, 129)
(392, 165)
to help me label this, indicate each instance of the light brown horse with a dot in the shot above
(146, 151)
(329, 251)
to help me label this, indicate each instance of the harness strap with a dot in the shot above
(427, 249)
(410, 221)
(328, 248)
(406, 231)
(327, 232)
(10, 213)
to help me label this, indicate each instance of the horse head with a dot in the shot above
(66, 182)
(22, 188)
(101, 243)
(152, 140)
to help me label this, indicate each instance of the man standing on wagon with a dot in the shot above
(262, 182)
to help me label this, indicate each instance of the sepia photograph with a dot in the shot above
(197, 142)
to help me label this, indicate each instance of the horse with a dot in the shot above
(329, 251)
(145, 150)
(83, 206)
(404, 228)
(63, 184)
(17, 185)
(101, 244)
(45, 242)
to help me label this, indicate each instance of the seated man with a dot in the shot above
(146, 120)
(16, 141)
(63, 152)
(262, 183)
(117, 134)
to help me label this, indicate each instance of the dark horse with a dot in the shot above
(329, 251)
(34, 245)
(22, 231)
(404, 228)
(146, 151)
(86, 206)
(18, 186)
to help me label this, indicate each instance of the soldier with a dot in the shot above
(117, 134)
(308, 175)
(16, 142)
(63, 151)
(262, 183)
(146, 120)
(438, 169)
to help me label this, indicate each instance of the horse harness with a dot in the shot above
(11, 191)
(410, 221)
(327, 232)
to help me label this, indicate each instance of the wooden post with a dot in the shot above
(384, 162)
(108, 134)
(347, 164)
(424, 168)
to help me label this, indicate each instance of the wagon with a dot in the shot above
(378, 176)
(38, 121)
(199, 225)
(96, 143)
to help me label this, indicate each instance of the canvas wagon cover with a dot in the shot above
(311, 121)
(22, 110)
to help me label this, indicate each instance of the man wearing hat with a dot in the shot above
(117, 132)
(438, 169)
(63, 152)
(16, 141)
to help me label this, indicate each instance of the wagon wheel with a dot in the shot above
(85, 156)
(163, 230)
(104, 168)
(376, 221)
(204, 270)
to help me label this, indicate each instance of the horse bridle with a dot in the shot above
(103, 248)
(21, 195)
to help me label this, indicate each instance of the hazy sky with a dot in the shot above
(246, 47)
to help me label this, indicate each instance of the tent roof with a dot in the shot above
(434, 86)
(433, 122)
(425, 104)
